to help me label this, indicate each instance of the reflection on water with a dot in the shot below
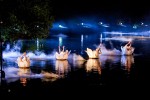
(47, 69)
(62, 67)
(40, 63)
(23, 73)
(93, 65)
(11, 74)
(78, 63)
(127, 61)
(111, 59)
(49, 76)
(23, 81)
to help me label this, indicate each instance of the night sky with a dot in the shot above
(133, 9)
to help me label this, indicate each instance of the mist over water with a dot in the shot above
(15, 52)
(101, 41)
(47, 74)
(16, 49)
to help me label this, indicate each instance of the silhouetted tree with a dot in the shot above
(23, 19)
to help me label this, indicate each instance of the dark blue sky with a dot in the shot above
(133, 9)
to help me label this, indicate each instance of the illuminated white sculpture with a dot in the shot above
(127, 49)
(93, 53)
(23, 61)
(62, 54)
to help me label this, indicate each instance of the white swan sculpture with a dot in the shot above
(23, 61)
(62, 54)
(93, 53)
(127, 49)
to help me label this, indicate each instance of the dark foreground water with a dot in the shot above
(110, 74)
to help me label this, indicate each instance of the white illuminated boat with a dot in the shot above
(127, 49)
(93, 53)
(62, 54)
(23, 61)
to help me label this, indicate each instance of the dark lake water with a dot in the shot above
(50, 77)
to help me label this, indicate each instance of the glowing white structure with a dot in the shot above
(93, 53)
(62, 54)
(23, 61)
(127, 49)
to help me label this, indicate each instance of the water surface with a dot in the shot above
(48, 76)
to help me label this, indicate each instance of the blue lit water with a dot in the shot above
(106, 73)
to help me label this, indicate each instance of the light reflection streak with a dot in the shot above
(23, 81)
(49, 76)
(111, 59)
(127, 62)
(62, 67)
(78, 63)
(93, 65)
(23, 74)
